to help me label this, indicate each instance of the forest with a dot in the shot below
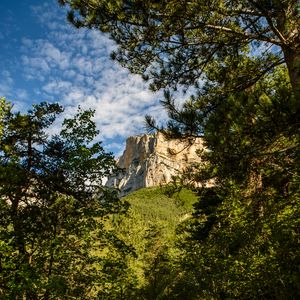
(65, 235)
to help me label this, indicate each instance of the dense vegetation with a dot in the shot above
(242, 240)
(53, 207)
(150, 228)
(242, 60)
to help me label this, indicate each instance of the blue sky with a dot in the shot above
(43, 58)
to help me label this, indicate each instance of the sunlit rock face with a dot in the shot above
(151, 160)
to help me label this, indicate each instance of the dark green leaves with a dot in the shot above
(53, 205)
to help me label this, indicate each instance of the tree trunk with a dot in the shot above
(17, 226)
(292, 58)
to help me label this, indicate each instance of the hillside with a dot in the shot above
(149, 227)
(156, 204)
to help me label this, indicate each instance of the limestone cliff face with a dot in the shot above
(151, 160)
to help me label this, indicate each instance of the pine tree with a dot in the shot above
(174, 42)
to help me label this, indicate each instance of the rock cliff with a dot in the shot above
(151, 160)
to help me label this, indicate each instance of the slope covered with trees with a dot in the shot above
(150, 228)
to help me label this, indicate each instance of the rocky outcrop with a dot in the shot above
(151, 160)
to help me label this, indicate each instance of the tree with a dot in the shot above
(177, 42)
(242, 241)
(243, 59)
(53, 205)
(4, 108)
(224, 48)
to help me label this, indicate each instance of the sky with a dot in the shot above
(43, 58)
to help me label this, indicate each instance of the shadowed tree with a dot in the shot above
(53, 205)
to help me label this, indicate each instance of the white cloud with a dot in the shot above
(73, 66)
(34, 63)
(57, 87)
(21, 94)
(6, 84)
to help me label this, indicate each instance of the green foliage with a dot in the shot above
(4, 109)
(53, 207)
(176, 43)
(156, 205)
(242, 241)
(149, 227)
(246, 247)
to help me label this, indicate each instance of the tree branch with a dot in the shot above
(234, 32)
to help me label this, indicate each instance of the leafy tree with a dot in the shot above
(226, 49)
(4, 108)
(53, 205)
